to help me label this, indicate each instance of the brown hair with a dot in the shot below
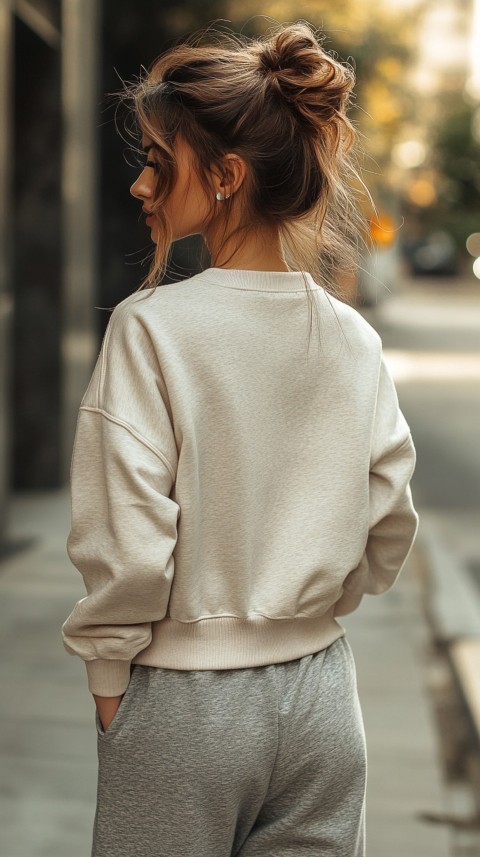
(280, 103)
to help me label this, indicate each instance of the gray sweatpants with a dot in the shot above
(266, 761)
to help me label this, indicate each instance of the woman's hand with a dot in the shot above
(107, 707)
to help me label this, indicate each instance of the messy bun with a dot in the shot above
(279, 102)
(313, 83)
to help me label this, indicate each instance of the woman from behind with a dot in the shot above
(234, 490)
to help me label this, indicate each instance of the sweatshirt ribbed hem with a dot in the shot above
(229, 642)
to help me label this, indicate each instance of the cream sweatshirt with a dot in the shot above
(233, 492)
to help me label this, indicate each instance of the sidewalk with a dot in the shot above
(47, 732)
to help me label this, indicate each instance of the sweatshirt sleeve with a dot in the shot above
(124, 523)
(393, 521)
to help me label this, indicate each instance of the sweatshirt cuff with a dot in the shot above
(108, 677)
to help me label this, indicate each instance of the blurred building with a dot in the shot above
(48, 233)
(71, 240)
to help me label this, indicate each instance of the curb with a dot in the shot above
(453, 608)
(453, 597)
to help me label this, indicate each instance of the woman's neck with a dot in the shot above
(258, 250)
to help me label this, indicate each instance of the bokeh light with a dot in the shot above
(409, 154)
(473, 244)
(422, 192)
(383, 230)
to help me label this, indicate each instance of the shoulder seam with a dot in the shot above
(134, 433)
(104, 360)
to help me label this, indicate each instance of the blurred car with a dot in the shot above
(434, 254)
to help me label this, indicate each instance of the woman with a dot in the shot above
(235, 490)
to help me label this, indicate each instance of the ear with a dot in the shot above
(229, 174)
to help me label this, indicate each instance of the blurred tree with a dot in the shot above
(453, 169)
(456, 152)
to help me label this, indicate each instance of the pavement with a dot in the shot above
(47, 732)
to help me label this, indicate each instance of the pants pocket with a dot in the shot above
(119, 714)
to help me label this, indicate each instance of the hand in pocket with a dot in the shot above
(107, 707)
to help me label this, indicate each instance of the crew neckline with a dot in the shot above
(263, 281)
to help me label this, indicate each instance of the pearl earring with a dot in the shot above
(221, 196)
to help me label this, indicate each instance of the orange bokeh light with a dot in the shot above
(382, 230)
